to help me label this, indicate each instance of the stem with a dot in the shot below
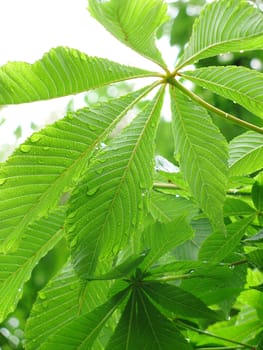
(172, 186)
(166, 185)
(173, 278)
(197, 330)
(213, 109)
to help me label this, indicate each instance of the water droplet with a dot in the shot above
(103, 145)
(19, 290)
(75, 53)
(72, 214)
(35, 137)
(83, 57)
(92, 191)
(25, 148)
(42, 295)
(46, 148)
(92, 127)
(98, 171)
(2, 181)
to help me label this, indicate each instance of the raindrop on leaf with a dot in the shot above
(25, 148)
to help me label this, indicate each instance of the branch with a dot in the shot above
(197, 330)
(212, 108)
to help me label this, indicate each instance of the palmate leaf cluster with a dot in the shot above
(159, 255)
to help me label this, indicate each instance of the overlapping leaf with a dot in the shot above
(61, 297)
(60, 72)
(81, 332)
(223, 26)
(238, 84)
(203, 155)
(165, 207)
(179, 301)
(50, 161)
(246, 153)
(142, 326)
(216, 247)
(162, 238)
(134, 23)
(16, 267)
(107, 206)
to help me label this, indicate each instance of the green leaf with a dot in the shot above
(233, 25)
(134, 23)
(256, 258)
(166, 207)
(217, 246)
(237, 207)
(81, 332)
(123, 269)
(257, 195)
(59, 303)
(216, 284)
(60, 72)
(142, 326)
(162, 238)
(178, 301)
(190, 249)
(239, 84)
(202, 153)
(107, 207)
(50, 162)
(246, 153)
(177, 267)
(37, 240)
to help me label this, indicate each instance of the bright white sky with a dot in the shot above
(31, 27)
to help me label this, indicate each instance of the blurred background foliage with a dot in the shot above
(177, 31)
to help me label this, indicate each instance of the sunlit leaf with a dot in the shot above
(223, 26)
(217, 246)
(107, 207)
(246, 153)
(134, 23)
(17, 267)
(239, 84)
(50, 162)
(60, 72)
(202, 153)
(162, 238)
(81, 332)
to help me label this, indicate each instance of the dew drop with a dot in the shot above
(99, 170)
(25, 148)
(46, 148)
(2, 181)
(83, 57)
(92, 127)
(92, 191)
(42, 295)
(35, 137)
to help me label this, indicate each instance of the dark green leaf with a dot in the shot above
(178, 301)
(142, 326)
